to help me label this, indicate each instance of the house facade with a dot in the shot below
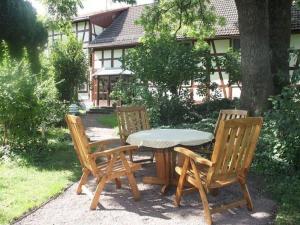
(108, 35)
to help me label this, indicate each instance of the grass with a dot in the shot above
(28, 183)
(108, 120)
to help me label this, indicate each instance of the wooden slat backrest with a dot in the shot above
(234, 148)
(131, 119)
(228, 114)
(80, 142)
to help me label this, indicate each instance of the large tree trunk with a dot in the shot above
(280, 33)
(255, 55)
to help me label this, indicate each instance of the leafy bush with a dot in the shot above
(280, 141)
(211, 109)
(163, 68)
(70, 67)
(28, 104)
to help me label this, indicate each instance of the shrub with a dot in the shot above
(211, 109)
(70, 68)
(28, 104)
(280, 142)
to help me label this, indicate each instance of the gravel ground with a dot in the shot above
(118, 207)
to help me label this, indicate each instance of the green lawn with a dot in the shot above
(108, 120)
(26, 185)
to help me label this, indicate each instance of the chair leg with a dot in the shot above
(98, 191)
(181, 180)
(179, 189)
(83, 180)
(247, 195)
(133, 186)
(207, 214)
(118, 183)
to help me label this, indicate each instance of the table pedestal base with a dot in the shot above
(165, 169)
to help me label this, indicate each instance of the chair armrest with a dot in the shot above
(115, 151)
(104, 142)
(197, 158)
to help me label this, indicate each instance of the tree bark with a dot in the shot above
(280, 34)
(255, 55)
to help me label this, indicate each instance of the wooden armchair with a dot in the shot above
(230, 162)
(132, 119)
(114, 165)
(228, 114)
(224, 114)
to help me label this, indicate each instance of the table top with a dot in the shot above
(166, 138)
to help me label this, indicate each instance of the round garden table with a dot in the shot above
(163, 142)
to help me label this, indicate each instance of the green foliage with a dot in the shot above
(278, 153)
(211, 109)
(281, 133)
(162, 68)
(180, 18)
(167, 63)
(28, 103)
(20, 29)
(231, 62)
(70, 68)
(108, 120)
(60, 12)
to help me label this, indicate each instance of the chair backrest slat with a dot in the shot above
(234, 147)
(80, 142)
(228, 114)
(131, 119)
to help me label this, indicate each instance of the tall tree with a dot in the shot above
(280, 34)
(257, 78)
(20, 29)
(265, 39)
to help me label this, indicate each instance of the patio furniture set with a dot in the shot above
(232, 148)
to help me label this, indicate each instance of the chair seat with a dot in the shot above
(203, 170)
(118, 166)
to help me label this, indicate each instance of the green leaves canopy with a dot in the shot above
(20, 29)
(28, 101)
(70, 67)
(167, 63)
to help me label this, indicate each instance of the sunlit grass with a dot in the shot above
(24, 186)
(108, 120)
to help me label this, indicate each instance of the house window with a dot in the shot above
(108, 58)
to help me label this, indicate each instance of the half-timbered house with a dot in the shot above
(107, 35)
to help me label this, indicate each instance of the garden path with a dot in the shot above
(95, 130)
(118, 207)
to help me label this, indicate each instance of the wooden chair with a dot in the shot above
(228, 114)
(230, 162)
(114, 166)
(224, 114)
(132, 119)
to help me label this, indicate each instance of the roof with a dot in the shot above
(226, 9)
(123, 31)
